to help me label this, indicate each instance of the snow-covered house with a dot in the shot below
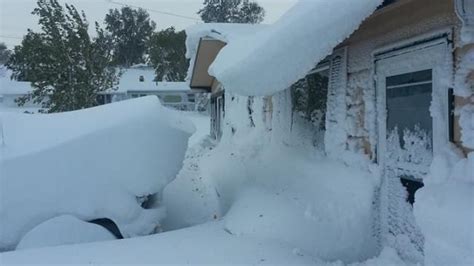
(395, 79)
(10, 90)
(134, 82)
(138, 81)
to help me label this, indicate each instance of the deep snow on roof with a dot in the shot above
(268, 62)
(225, 32)
(130, 81)
(12, 87)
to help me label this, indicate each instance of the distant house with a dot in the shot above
(387, 90)
(138, 81)
(10, 90)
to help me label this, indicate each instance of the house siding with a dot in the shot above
(397, 23)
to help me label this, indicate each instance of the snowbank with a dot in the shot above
(316, 205)
(63, 230)
(272, 189)
(249, 66)
(94, 163)
(444, 210)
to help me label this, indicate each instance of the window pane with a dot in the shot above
(172, 98)
(414, 77)
(309, 97)
(408, 106)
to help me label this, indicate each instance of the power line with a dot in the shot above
(11, 37)
(155, 11)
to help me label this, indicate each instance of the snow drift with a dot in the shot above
(208, 244)
(92, 164)
(273, 59)
(318, 206)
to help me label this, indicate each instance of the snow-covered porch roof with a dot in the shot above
(205, 41)
(279, 55)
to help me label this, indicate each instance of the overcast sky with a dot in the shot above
(15, 15)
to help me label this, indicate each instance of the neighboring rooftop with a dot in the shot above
(136, 78)
(141, 78)
(12, 87)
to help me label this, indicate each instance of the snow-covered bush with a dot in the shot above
(94, 163)
(444, 210)
(63, 230)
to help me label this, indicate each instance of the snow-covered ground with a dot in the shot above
(63, 230)
(236, 203)
(206, 244)
(277, 206)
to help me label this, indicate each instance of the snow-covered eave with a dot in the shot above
(221, 33)
(283, 53)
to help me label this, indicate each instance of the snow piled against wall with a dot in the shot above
(249, 66)
(466, 121)
(270, 188)
(94, 163)
(443, 210)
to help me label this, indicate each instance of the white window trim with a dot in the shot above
(440, 91)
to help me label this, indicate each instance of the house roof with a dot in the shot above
(130, 81)
(203, 43)
(279, 55)
(12, 87)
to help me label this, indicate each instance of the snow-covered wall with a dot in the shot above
(420, 18)
(444, 210)
(94, 163)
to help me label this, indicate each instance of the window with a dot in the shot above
(191, 98)
(310, 96)
(408, 103)
(172, 98)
